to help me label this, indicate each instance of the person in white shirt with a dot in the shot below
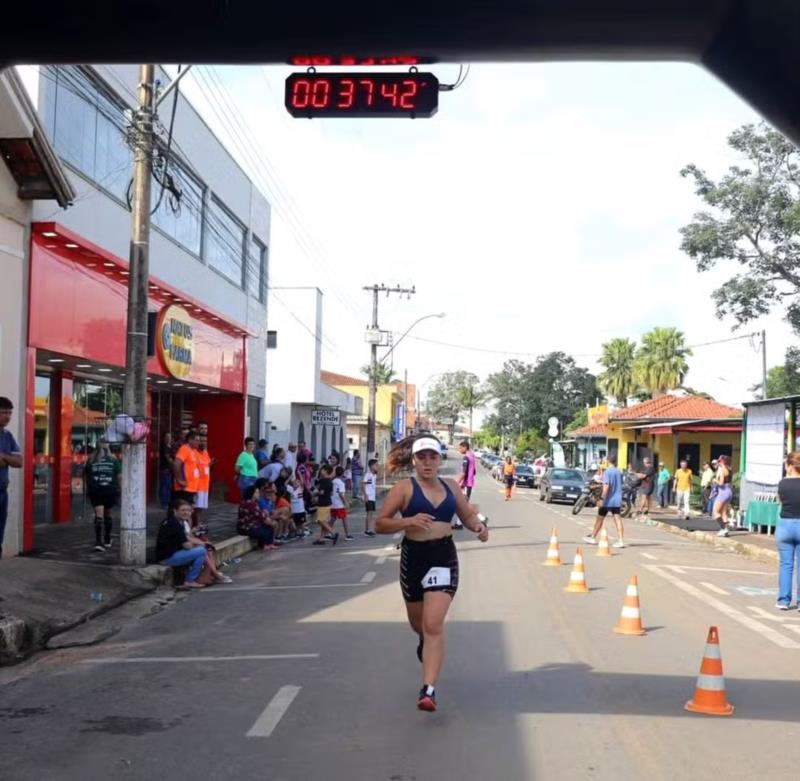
(295, 489)
(339, 501)
(272, 470)
(368, 488)
(290, 457)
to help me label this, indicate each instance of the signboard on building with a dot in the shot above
(175, 341)
(325, 417)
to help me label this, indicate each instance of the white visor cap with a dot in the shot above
(426, 443)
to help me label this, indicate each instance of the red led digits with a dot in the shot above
(301, 93)
(321, 93)
(389, 91)
(370, 85)
(347, 94)
(408, 93)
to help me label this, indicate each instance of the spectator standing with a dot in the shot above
(357, 470)
(369, 487)
(706, 481)
(339, 501)
(324, 502)
(173, 548)
(204, 462)
(302, 450)
(787, 532)
(648, 478)
(246, 466)
(305, 476)
(186, 469)
(290, 457)
(683, 489)
(724, 495)
(261, 454)
(467, 481)
(10, 456)
(273, 469)
(102, 484)
(663, 485)
(298, 506)
(166, 469)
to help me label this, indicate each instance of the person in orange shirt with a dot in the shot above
(187, 469)
(508, 477)
(204, 462)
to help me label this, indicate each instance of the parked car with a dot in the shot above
(561, 484)
(524, 475)
(444, 451)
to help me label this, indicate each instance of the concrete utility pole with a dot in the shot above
(133, 523)
(764, 364)
(373, 365)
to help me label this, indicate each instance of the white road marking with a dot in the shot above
(278, 588)
(369, 577)
(389, 547)
(780, 618)
(397, 535)
(679, 570)
(274, 712)
(715, 589)
(649, 556)
(181, 659)
(765, 631)
(715, 569)
(380, 560)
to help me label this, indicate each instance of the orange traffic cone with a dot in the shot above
(553, 558)
(709, 694)
(630, 620)
(577, 578)
(603, 548)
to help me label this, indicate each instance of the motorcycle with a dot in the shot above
(590, 497)
(630, 488)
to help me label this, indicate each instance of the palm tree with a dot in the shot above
(660, 363)
(618, 378)
(469, 397)
(384, 375)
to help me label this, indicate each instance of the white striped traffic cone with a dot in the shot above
(577, 578)
(553, 558)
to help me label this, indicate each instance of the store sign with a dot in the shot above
(175, 344)
(325, 417)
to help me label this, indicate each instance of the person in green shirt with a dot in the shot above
(246, 467)
(663, 485)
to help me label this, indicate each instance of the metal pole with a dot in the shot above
(133, 522)
(373, 379)
(764, 364)
(405, 403)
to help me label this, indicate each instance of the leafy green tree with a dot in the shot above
(528, 395)
(783, 380)
(754, 221)
(384, 374)
(660, 363)
(617, 360)
(446, 400)
(470, 397)
(580, 420)
(530, 443)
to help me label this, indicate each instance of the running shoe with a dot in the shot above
(619, 544)
(427, 699)
(783, 605)
(99, 547)
(369, 533)
(349, 537)
(107, 545)
(589, 540)
(335, 538)
(224, 579)
(723, 533)
(419, 648)
(318, 542)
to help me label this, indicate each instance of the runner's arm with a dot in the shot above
(468, 515)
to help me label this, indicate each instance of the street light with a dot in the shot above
(373, 384)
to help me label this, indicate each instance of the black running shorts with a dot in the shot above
(428, 566)
(604, 511)
(369, 506)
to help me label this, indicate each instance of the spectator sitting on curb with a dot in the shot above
(254, 522)
(266, 501)
(198, 535)
(173, 548)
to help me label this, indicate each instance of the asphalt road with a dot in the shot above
(305, 669)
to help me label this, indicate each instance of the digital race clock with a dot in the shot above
(414, 95)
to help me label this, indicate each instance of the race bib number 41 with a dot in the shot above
(437, 576)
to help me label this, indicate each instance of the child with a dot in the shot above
(348, 475)
(298, 506)
(283, 512)
(368, 487)
(324, 501)
(339, 501)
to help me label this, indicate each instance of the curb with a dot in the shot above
(754, 552)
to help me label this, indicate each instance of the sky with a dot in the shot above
(539, 209)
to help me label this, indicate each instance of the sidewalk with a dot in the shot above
(702, 528)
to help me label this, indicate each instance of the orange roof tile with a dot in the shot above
(331, 378)
(677, 408)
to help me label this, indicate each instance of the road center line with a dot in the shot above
(762, 629)
(369, 577)
(274, 712)
(181, 659)
(715, 589)
(649, 556)
(380, 560)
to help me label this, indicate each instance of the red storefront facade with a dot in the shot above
(75, 365)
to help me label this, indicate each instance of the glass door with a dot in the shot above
(42, 451)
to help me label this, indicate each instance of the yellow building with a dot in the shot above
(670, 429)
(387, 400)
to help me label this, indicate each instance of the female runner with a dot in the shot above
(428, 562)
